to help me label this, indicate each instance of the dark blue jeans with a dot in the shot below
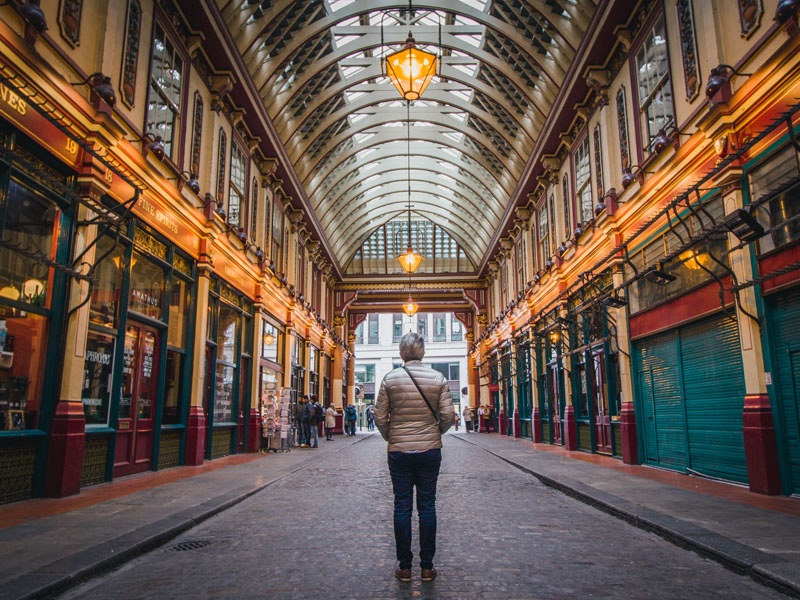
(410, 470)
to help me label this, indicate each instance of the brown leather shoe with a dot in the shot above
(403, 574)
(428, 574)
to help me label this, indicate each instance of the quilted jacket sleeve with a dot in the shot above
(446, 411)
(382, 412)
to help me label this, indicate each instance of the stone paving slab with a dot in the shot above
(42, 557)
(761, 543)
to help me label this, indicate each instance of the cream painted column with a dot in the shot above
(67, 437)
(196, 425)
(253, 418)
(351, 370)
(761, 449)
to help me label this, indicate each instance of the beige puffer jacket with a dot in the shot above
(402, 416)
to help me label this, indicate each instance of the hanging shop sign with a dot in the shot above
(16, 109)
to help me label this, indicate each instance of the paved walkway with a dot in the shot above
(317, 524)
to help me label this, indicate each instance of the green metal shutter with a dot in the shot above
(662, 406)
(714, 390)
(785, 317)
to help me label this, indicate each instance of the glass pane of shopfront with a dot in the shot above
(173, 388)
(129, 368)
(97, 373)
(147, 286)
(23, 344)
(106, 290)
(179, 303)
(223, 394)
(226, 338)
(27, 241)
(271, 342)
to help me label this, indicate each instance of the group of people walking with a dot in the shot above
(309, 413)
(472, 418)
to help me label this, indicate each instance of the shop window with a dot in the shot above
(566, 203)
(653, 83)
(104, 304)
(439, 328)
(28, 227)
(236, 186)
(30, 231)
(365, 374)
(519, 262)
(456, 330)
(146, 287)
(583, 185)
(271, 342)
(179, 319)
(397, 328)
(372, 321)
(166, 92)
(781, 215)
(226, 363)
(690, 268)
(98, 368)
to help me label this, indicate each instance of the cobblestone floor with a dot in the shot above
(326, 533)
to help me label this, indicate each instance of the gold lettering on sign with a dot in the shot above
(161, 218)
(13, 100)
(109, 176)
(72, 146)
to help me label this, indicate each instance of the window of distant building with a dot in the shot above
(397, 327)
(166, 91)
(439, 328)
(372, 322)
(236, 188)
(456, 335)
(422, 325)
(583, 184)
(365, 373)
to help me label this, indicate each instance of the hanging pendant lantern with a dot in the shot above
(411, 69)
(410, 260)
(410, 308)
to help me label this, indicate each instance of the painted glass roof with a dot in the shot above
(317, 65)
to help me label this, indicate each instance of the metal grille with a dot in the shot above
(95, 457)
(187, 546)
(220, 443)
(16, 472)
(169, 450)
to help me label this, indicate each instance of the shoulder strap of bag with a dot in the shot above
(421, 393)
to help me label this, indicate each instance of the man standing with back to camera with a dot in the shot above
(414, 408)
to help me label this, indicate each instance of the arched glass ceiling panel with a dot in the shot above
(317, 66)
(377, 255)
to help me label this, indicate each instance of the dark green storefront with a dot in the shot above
(690, 394)
(784, 311)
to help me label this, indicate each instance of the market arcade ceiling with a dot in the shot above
(317, 67)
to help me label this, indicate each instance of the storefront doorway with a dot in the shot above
(602, 417)
(134, 445)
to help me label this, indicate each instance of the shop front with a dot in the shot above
(270, 376)
(524, 376)
(136, 373)
(550, 385)
(228, 363)
(37, 203)
(506, 416)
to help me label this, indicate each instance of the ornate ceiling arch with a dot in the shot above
(317, 66)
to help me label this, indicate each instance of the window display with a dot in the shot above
(97, 373)
(146, 287)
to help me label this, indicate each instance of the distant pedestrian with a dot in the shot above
(370, 418)
(315, 416)
(298, 420)
(413, 410)
(350, 416)
(484, 412)
(467, 416)
(330, 421)
(305, 416)
(360, 418)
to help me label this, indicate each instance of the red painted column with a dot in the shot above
(537, 425)
(570, 429)
(760, 447)
(253, 431)
(516, 424)
(502, 422)
(195, 436)
(65, 450)
(630, 444)
(481, 424)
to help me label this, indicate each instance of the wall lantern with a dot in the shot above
(411, 69)
(786, 10)
(614, 301)
(718, 87)
(744, 225)
(656, 274)
(100, 84)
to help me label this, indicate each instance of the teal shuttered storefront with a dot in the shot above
(690, 387)
(785, 318)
